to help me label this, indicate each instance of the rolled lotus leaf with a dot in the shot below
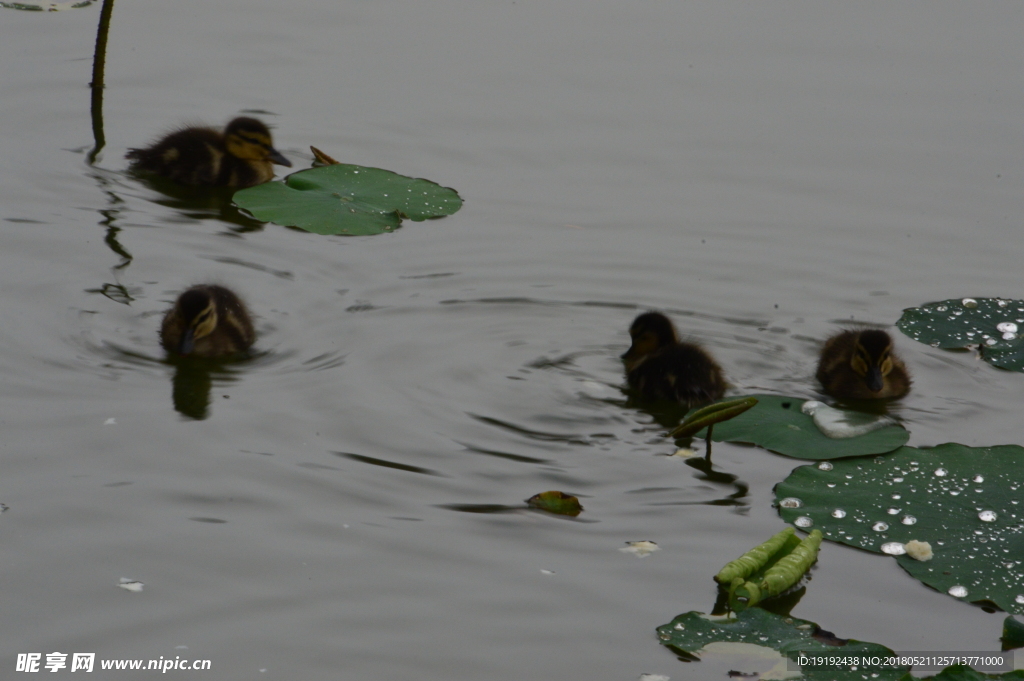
(792, 567)
(779, 578)
(750, 594)
(712, 414)
(754, 559)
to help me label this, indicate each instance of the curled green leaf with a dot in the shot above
(754, 559)
(712, 414)
(791, 568)
(780, 577)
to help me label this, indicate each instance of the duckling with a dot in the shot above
(661, 367)
(242, 156)
(207, 321)
(860, 365)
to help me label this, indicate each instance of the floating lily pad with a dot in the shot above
(776, 423)
(347, 199)
(967, 503)
(691, 632)
(556, 502)
(995, 325)
(1013, 634)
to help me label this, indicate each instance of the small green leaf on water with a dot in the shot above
(710, 415)
(556, 502)
(347, 199)
(777, 423)
(1013, 634)
(995, 325)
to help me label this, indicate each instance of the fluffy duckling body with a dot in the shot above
(207, 321)
(241, 156)
(860, 365)
(661, 367)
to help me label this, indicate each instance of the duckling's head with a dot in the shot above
(650, 332)
(199, 311)
(249, 139)
(872, 357)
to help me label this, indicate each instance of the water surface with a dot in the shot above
(761, 173)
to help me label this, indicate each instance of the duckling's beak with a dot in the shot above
(873, 379)
(278, 158)
(188, 342)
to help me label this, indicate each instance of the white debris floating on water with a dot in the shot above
(130, 584)
(640, 549)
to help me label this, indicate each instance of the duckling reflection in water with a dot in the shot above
(241, 156)
(661, 367)
(861, 365)
(207, 321)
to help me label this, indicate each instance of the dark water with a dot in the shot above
(762, 173)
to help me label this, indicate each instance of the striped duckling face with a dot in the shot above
(872, 358)
(249, 139)
(199, 310)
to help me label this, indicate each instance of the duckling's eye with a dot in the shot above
(255, 141)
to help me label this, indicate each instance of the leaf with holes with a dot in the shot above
(695, 634)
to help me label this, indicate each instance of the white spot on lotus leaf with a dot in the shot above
(839, 424)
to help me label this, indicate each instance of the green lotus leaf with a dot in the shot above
(713, 413)
(965, 502)
(757, 558)
(786, 569)
(1013, 634)
(556, 502)
(691, 632)
(990, 323)
(347, 199)
(778, 424)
